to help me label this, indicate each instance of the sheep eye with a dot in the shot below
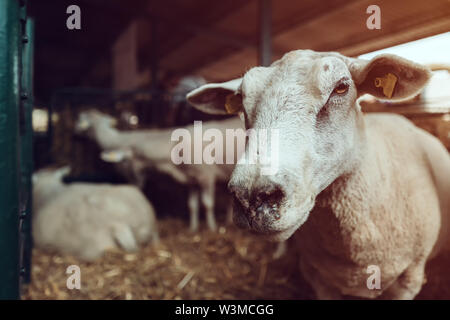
(341, 88)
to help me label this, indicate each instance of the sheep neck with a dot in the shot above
(343, 209)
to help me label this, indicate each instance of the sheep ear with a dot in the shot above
(389, 77)
(217, 98)
(63, 171)
(115, 156)
(82, 124)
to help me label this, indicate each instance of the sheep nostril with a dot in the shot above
(268, 201)
(271, 197)
(262, 202)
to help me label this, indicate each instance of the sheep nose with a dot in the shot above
(267, 200)
(257, 207)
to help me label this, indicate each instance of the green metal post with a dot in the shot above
(10, 37)
(26, 147)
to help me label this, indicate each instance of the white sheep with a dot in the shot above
(366, 193)
(151, 149)
(86, 219)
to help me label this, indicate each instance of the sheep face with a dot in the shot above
(87, 120)
(48, 175)
(309, 98)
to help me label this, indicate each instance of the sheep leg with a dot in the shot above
(155, 237)
(140, 178)
(100, 242)
(193, 202)
(229, 217)
(280, 250)
(408, 284)
(208, 203)
(125, 237)
(138, 172)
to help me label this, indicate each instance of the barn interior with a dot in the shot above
(136, 61)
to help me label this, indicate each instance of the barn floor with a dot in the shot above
(230, 264)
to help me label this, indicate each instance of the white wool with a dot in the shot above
(139, 150)
(86, 219)
(360, 189)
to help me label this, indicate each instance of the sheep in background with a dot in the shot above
(362, 190)
(138, 150)
(97, 126)
(86, 219)
(181, 112)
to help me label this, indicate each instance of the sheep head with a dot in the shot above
(89, 119)
(310, 98)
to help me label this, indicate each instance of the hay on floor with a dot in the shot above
(229, 264)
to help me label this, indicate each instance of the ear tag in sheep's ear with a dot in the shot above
(83, 124)
(112, 156)
(388, 83)
(233, 103)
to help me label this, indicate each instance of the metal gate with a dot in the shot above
(16, 65)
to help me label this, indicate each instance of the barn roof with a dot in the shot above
(215, 39)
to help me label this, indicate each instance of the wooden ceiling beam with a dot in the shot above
(301, 16)
(405, 29)
(418, 31)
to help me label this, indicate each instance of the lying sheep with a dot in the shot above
(365, 192)
(139, 150)
(85, 219)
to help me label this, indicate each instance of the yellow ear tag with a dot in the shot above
(112, 156)
(115, 157)
(388, 83)
(233, 103)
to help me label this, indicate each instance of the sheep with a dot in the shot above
(84, 219)
(365, 192)
(144, 149)
(99, 127)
